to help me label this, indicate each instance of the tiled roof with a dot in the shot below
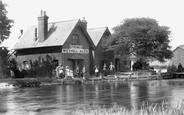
(58, 32)
(181, 46)
(96, 34)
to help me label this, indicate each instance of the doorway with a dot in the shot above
(117, 65)
(77, 63)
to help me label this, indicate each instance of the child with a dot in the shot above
(59, 71)
(96, 70)
(83, 72)
(111, 67)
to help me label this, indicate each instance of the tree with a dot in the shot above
(3, 62)
(5, 23)
(142, 37)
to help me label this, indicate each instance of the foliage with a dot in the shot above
(3, 62)
(43, 67)
(172, 68)
(5, 23)
(146, 109)
(142, 37)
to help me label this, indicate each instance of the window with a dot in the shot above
(75, 39)
(125, 61)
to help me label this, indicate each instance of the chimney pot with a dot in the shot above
(84, 23)
(41, 12)
(44, 13)
(21, 31)
(83, 18)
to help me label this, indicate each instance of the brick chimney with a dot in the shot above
(84, 23)
(42, 26)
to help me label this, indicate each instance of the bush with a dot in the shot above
(42, 67)
(172, 69)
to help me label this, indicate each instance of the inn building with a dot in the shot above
(67, 42)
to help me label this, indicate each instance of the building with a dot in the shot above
(67, 42)
(121, 62)
(101, 55)
(178, 56)
(70, 43)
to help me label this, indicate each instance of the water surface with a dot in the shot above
(63, 99)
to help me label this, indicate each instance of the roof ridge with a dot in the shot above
(63, 21)
(97, 28)
(55, 22)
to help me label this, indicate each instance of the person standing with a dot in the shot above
(104, 70)
(71, 72)
(96, 70)
(59, 71)
(111, 68)
(67, 71)
(83, 72)
(77, 71)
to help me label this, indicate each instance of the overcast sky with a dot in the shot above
(98, 13)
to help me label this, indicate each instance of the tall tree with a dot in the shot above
(5, 23)
(142, 37)
(3, 62)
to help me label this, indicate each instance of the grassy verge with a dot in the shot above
(145, 109)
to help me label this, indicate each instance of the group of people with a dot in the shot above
(68, 72)
(104, 70)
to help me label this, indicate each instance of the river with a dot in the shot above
(63, 99)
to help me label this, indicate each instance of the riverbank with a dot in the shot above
(42, 81)
(145, 109)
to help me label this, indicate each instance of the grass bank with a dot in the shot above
(145, 109)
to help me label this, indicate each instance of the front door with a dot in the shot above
(117, 65)
(77, 63)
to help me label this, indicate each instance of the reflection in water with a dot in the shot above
(134, 92)
(63, 99)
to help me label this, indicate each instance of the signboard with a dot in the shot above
(75, 49)
(83, 51)
(76, 46)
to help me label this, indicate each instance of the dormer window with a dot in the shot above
(75, 39)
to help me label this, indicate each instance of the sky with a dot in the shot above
(98, 13)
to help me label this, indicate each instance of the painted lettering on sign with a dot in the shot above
(76, 46)
(84, 51)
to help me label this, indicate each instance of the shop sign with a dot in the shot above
(75, 49)
(72, 50)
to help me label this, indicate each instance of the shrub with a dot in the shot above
(42, 67)
(171, 69)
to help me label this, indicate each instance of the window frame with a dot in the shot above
(75, 39)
